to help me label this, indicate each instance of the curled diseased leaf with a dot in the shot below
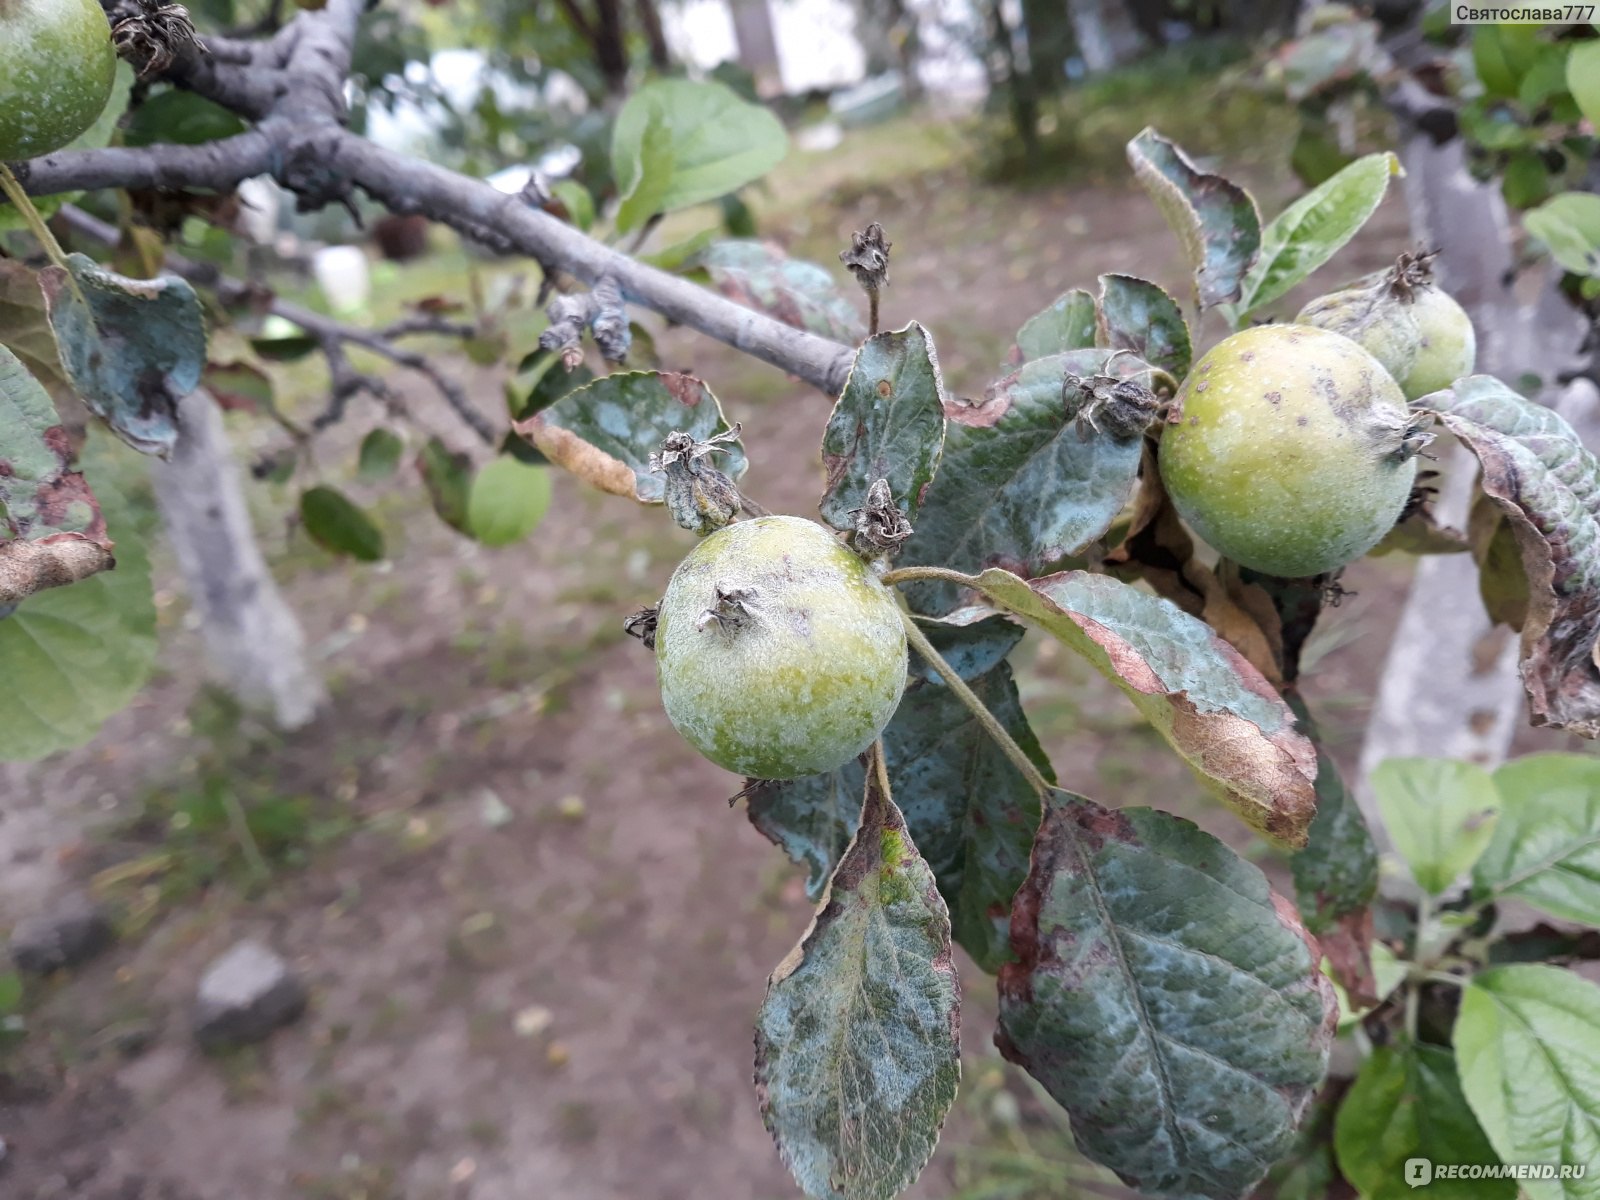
(1166, 997)
(888, 424)
(132, 348)
(1027, 481)
(1134, 314)
(1547, 485)
(857, 1043)
(1216, 710)
(1217, 221)
(51, 530)
(759, 275)
(606, 431)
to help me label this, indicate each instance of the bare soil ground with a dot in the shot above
(535, 933)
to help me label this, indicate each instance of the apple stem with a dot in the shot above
(1008, 746)
(30, 216)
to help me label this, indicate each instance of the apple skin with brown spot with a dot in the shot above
(56, 69)
(1288, 456)
(800, 671)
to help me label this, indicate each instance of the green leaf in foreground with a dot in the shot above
(507, 501)
(1528, 1041)
(73, 656)
(888, 424)
(1216, 220)
(1313, 229)
(337, 525)
(1546, 845)
(133, 348)
(857, 1044)
(1165, 997)
(605, 432)
(1440, 813)
(1406, 1103)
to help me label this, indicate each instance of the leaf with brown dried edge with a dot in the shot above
(888, 424)
(858, 1051)
(132, 348)
(605, 431)
(1021, 485)
(1547, 486)
(1159, 550)
(1336, 874)
(1166, 997)
(51, 530)
(25, 327)
(1214, 708)
(1216, 221)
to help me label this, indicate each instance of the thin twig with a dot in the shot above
(1008, 746)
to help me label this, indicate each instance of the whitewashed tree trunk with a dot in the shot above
(1106, 33)
(1450, 685)
(252, 637)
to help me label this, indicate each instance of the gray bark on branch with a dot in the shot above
(292, 86)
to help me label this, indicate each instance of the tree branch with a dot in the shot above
(220, 166)
(300, 140)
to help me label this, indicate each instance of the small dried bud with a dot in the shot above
(881, 528)
(698, 495)
(642, 625)
(1416, 437)
(1410, 274)
(152, 35)
(730, 610)
(868, 258)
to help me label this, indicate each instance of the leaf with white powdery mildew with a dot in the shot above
(888, 424)
(51, 530)
(1548, 487)
(605, 432)
(1166, 997)
(1528, 1043)
(1136, 315)
(133, 348)
(1022, 486)
(857, 1047)
(1215, 709)
(972, 812)
(759, 275)
(1216, 220)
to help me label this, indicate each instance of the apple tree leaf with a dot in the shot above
(888, 424)
(1166, 997)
